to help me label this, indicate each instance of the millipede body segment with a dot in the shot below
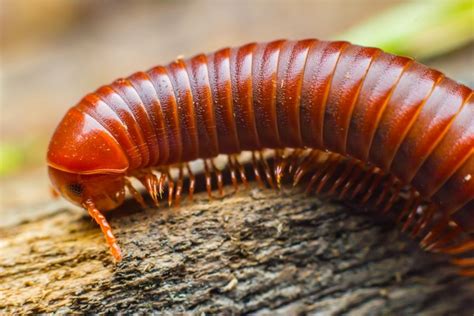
(351, 122)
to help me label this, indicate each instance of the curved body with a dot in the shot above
(410, 121)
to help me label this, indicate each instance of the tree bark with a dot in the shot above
(257, 251)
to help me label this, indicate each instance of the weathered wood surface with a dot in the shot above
(254, 252)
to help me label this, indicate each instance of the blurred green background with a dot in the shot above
(55, 51)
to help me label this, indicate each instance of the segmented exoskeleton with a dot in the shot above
(351, 122)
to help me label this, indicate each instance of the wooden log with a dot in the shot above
(257, 252)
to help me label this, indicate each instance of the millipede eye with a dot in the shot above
(75, 188)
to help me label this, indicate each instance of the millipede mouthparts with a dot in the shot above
(349, 122)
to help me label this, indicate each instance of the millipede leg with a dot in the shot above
(220, 181)
(449, 236)
(407, 206)
(346, 172)
(293, 160)
(53, 192)
(233, 172)
(388, 185)
(393, 198)
(305, 166)
(435, 233)
(466, 265)
(412, 214)
(328, 174)
(468, 272)
(161, 185)
(376, 181)
(423, 221)
(266, 168)
(150, 182)
(464, 261)
(192, 182)
(136, 195)
(363, 183)
(207, 175)
(279, 168)
(170, 188)
(106, 230)
(255, 170)
(241, 169)
(314, 179)
(458, 249)
(179, 186)
(356, 173)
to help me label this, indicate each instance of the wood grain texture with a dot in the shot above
(257, 251)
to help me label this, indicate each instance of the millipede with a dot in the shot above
(339, 120)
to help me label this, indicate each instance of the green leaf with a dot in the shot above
(419, 29)
(11, 158)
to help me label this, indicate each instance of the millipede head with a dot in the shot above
(106, 191)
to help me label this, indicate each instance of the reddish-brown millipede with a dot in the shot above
(355, 122)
